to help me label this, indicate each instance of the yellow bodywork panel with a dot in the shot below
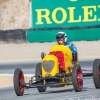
(54, 69)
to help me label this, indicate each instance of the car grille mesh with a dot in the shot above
(48, 65)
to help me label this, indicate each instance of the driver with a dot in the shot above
(61, 38)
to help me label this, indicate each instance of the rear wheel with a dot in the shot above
(18, 76)
(77, 78)
(38, 72)
(96, 73)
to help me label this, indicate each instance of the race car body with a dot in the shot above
(59, 58)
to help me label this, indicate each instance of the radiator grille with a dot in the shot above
(48, 65)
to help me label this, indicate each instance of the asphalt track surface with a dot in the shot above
(89, 92)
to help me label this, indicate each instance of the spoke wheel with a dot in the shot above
(18, 76)
(77, 78)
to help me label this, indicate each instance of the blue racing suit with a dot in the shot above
(72, 47)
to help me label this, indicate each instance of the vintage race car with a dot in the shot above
(56, 70)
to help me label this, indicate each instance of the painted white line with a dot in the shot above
(27, 75)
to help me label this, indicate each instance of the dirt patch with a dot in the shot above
(8, 80)
(32, 51)
(14, 14)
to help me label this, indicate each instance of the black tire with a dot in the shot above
(38, 72)
(96, 73)
(77, 78)
(19, 89)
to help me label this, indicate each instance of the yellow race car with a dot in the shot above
(56, 70)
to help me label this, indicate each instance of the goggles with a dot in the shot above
(60, 39)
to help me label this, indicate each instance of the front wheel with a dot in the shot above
(38, 72)
(96, 73)
(18, 76)
(77, 78)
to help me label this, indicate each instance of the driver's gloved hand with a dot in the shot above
(75, 58)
